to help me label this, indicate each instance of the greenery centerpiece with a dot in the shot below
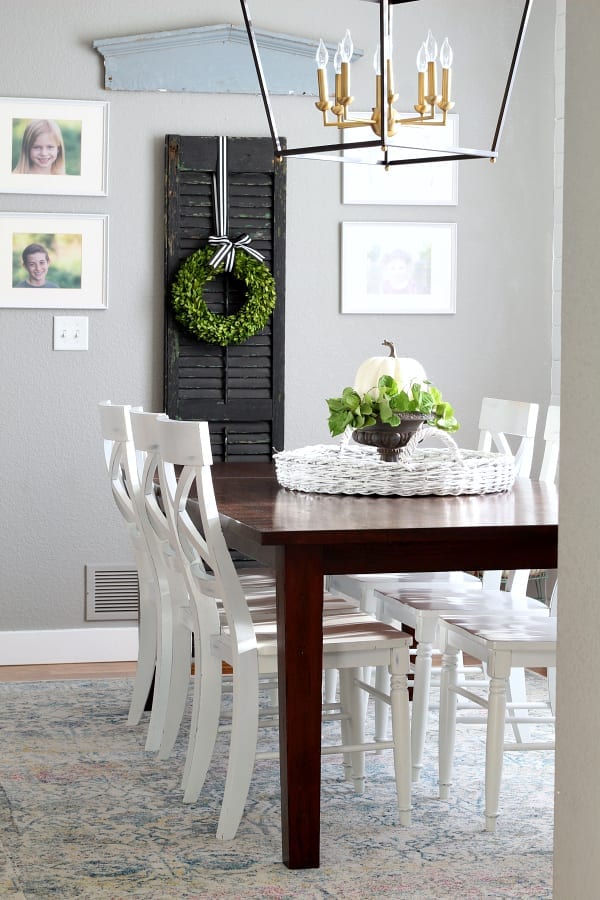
(191, 309)
(388, 415)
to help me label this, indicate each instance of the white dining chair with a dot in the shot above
(176, 626)
(500, 423)
(350, 641)
(421, 609)
(503, 643)
(174, 645)
(124, 467)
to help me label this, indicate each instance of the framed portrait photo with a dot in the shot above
(418, 184)
(53, 261)
(53, 146)
(398, 268)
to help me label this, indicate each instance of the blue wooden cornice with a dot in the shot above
(214, 59)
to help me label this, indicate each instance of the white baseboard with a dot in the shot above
(68, 645)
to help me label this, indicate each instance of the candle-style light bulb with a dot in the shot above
(322, 58)
(446, 55)
(420, 105)
(376, 119)
(322, 55)
(387, 50)
(431, 50)
(337, 60)
(431, 47)
(377, 61)
(337, 68)
(346, 51)
(347, 47)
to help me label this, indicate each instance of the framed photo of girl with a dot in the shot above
(53, 261)
(53, 146)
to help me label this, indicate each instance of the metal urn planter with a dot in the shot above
(390, 439)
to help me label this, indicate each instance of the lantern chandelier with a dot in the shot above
(426, 103)
(431, 108)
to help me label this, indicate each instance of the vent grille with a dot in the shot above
(111, 593)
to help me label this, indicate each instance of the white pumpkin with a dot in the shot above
(405, 370)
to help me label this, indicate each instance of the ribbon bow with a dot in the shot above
(227, 250)
(227, 247)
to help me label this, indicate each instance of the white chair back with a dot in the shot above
(518, 581)
(187, 446)
(501, 418)
(498, 420)
(145, 439)
(124, 467)
(549, 468)
(121, 461)
(174, 648)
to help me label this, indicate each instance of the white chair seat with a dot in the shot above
(355, 629)
(501, 642)
(422, 610)
(361, 587)
(520, 633)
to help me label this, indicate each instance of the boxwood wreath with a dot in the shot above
(191, 309)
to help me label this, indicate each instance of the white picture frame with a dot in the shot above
(417, 184)
(76, 252)
(399, 268)
(74, 152)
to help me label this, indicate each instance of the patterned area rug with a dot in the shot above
(85, 812)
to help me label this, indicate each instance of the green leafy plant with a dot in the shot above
(353, 410)
(191, 309)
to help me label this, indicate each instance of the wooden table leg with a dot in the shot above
(300, 662)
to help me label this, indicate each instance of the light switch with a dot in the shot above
(70, 333)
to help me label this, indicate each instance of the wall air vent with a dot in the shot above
(111, 593)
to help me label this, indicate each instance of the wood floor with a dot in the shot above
(65, 671)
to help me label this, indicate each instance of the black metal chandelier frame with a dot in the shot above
(443, 155)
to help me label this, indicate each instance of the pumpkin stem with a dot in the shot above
(392, 348)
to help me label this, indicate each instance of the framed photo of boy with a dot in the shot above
(398, 268)
(53, 146)
(53, 261)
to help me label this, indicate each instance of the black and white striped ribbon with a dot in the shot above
(226, 247)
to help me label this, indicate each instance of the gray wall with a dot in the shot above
(577, 809)
(58, 515)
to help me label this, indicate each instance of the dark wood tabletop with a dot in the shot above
(306, 536)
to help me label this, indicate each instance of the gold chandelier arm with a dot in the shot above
(346, 123)
(424, 120)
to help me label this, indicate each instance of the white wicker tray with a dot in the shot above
(350, 469)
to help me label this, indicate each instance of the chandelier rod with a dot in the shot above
(261, 80)
(511, 74)
(384, 30)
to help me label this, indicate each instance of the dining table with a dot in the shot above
(306, 536)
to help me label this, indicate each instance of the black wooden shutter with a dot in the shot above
(237, 389)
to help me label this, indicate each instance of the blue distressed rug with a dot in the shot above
(85, 812)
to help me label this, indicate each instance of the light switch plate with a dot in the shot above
(70, 333)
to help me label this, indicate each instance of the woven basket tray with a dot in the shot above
(346, 469)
